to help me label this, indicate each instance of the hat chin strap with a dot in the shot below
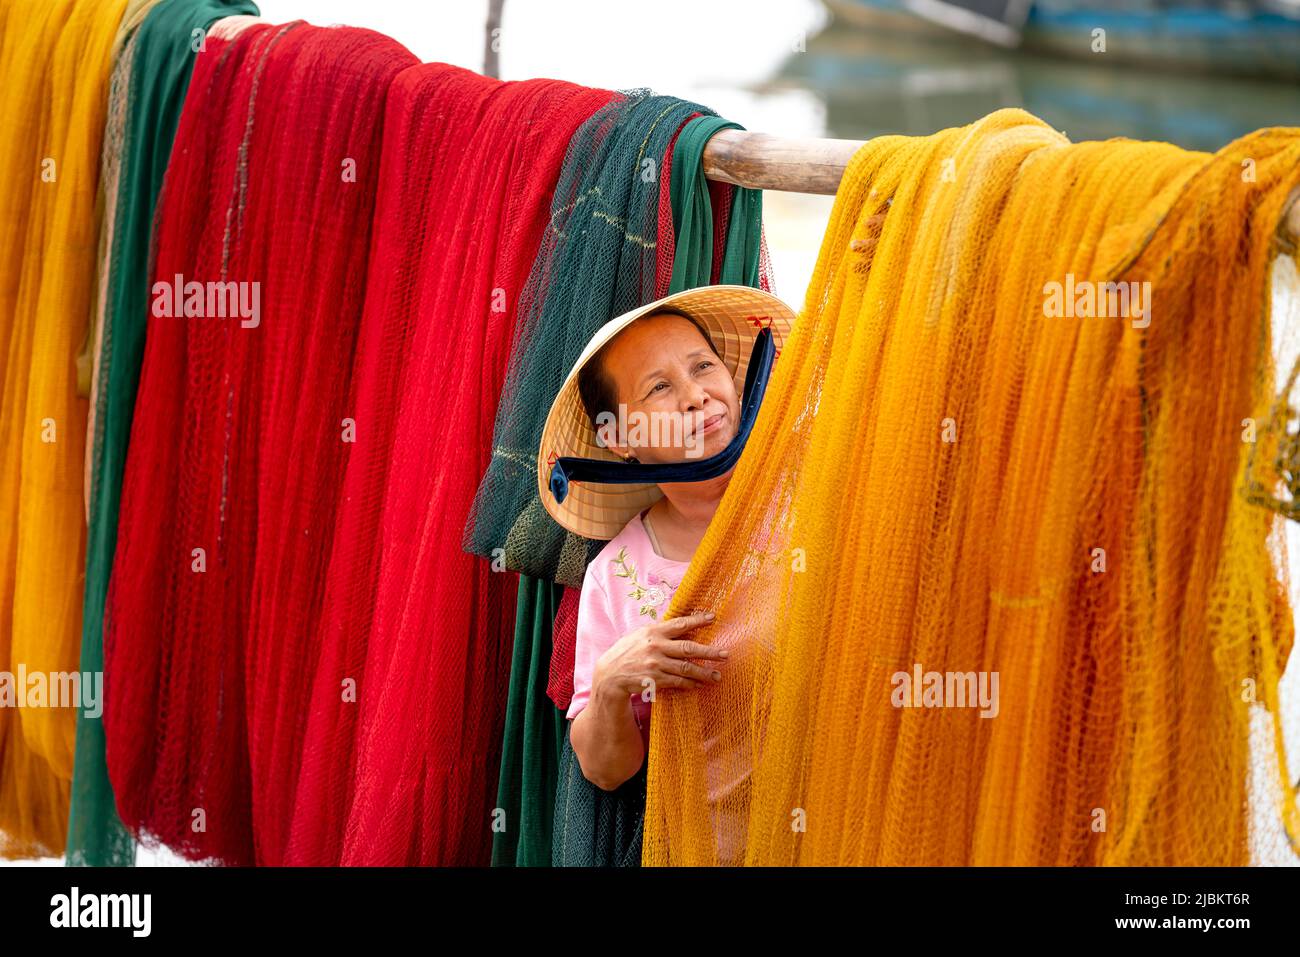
(569, 468)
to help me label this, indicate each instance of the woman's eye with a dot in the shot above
(706, 364)
(663, 385)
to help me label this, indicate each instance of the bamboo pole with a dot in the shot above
(764, 161)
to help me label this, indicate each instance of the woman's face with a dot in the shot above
(664, 373)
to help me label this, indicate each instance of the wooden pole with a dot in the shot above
(764, 161)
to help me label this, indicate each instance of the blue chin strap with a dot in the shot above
(569, 468)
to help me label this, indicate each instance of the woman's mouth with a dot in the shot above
(711, 424)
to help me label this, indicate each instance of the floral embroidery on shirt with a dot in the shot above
(652, 594)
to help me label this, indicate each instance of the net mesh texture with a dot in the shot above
(955, 474)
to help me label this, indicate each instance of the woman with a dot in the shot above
(651, 387)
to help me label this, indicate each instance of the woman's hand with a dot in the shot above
(657, 656)
(604, 735)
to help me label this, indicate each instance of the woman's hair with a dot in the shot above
(597, 390)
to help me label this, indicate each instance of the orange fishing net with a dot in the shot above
(994, 589)
(55, 60)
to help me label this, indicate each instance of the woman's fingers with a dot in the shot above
(679, 681)
(674, 628)
(677, 626)
(665, 658)
(680, 647)
(685, 648)
(680, 667)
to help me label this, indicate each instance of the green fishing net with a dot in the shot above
(534, 739)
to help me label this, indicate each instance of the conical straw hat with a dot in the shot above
(733, 316)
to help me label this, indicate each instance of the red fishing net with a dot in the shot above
(406, 773)
(237, 446)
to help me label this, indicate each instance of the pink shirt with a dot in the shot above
(627, 585)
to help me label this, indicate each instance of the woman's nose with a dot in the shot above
(697, 398)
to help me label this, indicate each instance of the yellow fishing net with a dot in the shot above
(54, 64)
(997, 584)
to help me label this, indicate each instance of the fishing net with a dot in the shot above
(606, 184)
(94, 829)
(596, 828)
(55, 60)
(237, 441)
(119, 80)
(533, 737)
(559, 687)
(597, 260)
(149, 81)
(608, 202)
(633, 172)
(406, 772)
(954, 474)
(305, 401)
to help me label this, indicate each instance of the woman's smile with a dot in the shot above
(712, 423)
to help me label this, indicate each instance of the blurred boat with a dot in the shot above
(1260, 38)
(873, 82)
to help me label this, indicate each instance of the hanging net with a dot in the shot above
(405, 772)
(655, 146)
(55, 60)
(597, 260)
(593, 827)
(616, 172)
(149, 81)
(238, 443)
(559, 686)
(962, 470)
(532, 740)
